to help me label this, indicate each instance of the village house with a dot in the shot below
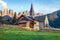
(24, 21)
(27, 19)
(31, 21)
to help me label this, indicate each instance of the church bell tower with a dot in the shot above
(31, 11)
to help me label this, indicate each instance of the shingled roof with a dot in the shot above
(25, 18)
(40, 18)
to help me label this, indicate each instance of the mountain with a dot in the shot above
(54, 19)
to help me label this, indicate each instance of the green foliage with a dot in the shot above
(21, 34)
(14, 20)
(0, 19)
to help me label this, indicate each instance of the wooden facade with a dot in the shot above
(36, 25)
(30, 23)
(26, 22)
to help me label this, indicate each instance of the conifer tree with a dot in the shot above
(14, 19)
(0, 19)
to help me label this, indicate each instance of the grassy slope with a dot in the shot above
(21, 34)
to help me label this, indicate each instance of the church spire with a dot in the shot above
(32, 10)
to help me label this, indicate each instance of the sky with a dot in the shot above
(40, 6)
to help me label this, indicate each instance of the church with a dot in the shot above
(27, 19)
(31, 21)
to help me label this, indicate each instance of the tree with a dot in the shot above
(14, 20)
(0, 20)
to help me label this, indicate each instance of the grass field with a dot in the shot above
(7, 33)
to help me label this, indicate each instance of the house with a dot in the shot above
(41, 22)
(31, 21)
(26, 22)
(36, 23)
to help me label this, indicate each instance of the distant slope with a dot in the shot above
(54, 19)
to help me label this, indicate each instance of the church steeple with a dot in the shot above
(32, 10)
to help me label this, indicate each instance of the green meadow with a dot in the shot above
(12, 33)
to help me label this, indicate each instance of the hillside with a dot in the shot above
(54, 19)
(13, 33)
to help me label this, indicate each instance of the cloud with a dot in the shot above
(3, 4)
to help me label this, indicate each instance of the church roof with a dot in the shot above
(40, 18)
(31, 17)
(25, 18)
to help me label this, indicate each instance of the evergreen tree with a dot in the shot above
(14, 20)
(0, 20)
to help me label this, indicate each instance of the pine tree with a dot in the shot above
(14, 20)
(0, 20)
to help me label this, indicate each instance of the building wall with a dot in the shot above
(22, 24)
(41, 25)
(36, 25)
(31, 25)
(28, 24)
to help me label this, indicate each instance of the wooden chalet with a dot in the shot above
(25, 21)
